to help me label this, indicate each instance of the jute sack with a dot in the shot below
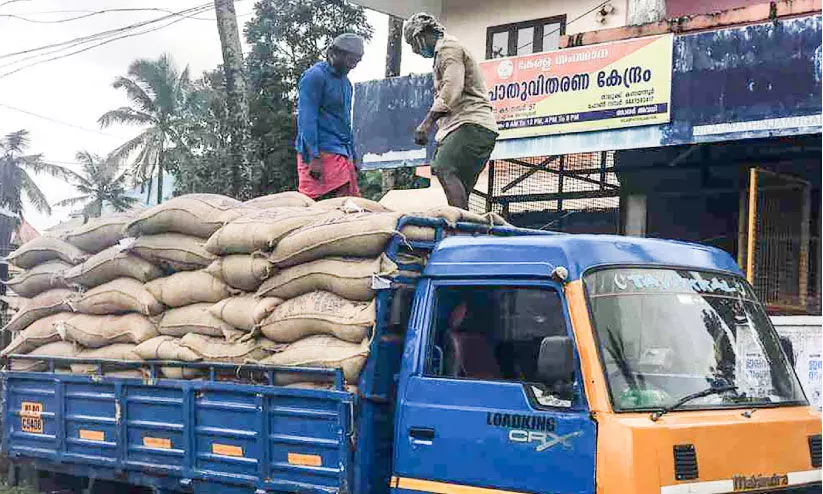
(289, 199)
(244, 272)
(262, 230)
(45, 304)
(350, 388)
(454, 215)
(38, 333)
(189, 287)
(350, 278)
(219, 350)
(98, 234)
(116, 297)
(196, 318)
(165, 348)
(173, 251)
(39, 279)
(352, 205)
(99, 331)
(352, 235)
(117, 351)
(199, 215)
(169, 348)
(43, 249)
(319, 313)
(55, 349)
(112, 263)
(244, 311)
(321, 351)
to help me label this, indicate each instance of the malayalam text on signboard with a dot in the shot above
(607, 86)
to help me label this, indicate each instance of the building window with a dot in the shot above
(524, 38)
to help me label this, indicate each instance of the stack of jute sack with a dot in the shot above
(280, 280)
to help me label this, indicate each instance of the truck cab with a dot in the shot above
(582, 364)
(510, 361)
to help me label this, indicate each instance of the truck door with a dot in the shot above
(473, 412)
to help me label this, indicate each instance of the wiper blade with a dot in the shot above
(715, 390)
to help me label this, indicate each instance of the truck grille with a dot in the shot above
(685, 462)
(814, 450)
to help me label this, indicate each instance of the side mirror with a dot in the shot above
(556, 359)
(788, 349)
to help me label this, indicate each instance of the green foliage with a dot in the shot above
(15, 181)
(101, 183)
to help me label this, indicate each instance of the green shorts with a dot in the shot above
(464, 152)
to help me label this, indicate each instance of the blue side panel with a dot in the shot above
(744, 82)
(205, 435)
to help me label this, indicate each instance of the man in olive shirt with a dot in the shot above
(466, 129)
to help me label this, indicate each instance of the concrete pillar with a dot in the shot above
(644, 11)
(635, 215)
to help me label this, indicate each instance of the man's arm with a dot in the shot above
(310, 92)
(452, 83)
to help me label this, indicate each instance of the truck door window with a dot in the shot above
(492, 333)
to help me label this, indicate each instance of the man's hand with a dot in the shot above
(421, 133)
(316, 168)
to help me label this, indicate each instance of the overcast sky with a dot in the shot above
(74, 91)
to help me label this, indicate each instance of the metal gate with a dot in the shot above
(776, 242)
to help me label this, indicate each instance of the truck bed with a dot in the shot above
(196, 436)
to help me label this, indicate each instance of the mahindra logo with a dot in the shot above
(744, 483)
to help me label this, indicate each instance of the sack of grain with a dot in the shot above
(38, 333)
(43, 249)
(45, 304)
(289, 199)
(241, 271)
(350, 278)
(321, 386)
(117, 351)
(166, 348)
(98, 234)
(352, 235)
(99, 331)
(39, 279)
(321, 351)
(112, 263)
(352, 205)
(262, 230)
(454, 215)
(319, 313)
(189, 287)
(55, 349)
(219, 350)
(196, 318)
(199, 215)
(173, 251)
(244, 311)
(117, 297)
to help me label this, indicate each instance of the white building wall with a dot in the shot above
(806, 336)
(469, 19)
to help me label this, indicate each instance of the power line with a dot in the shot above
(110, 32)
(90, 13)
(44, 117)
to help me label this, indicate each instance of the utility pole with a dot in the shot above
(241, 175)
(394, 53)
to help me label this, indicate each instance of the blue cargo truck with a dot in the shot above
(515, 361)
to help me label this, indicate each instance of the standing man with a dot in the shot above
(466, 128)
(325, 144)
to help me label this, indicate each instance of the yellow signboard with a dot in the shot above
(607, 86)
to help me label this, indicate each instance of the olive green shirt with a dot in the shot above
(459, 89)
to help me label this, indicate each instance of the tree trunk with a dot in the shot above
(160, 164)
(394, 53)
(241, 173)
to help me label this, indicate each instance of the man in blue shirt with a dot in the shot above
(325, 144)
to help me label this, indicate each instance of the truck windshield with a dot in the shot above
(665, 334)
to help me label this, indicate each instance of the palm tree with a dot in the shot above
(162, 99)
(15, 181)
(101, 181)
